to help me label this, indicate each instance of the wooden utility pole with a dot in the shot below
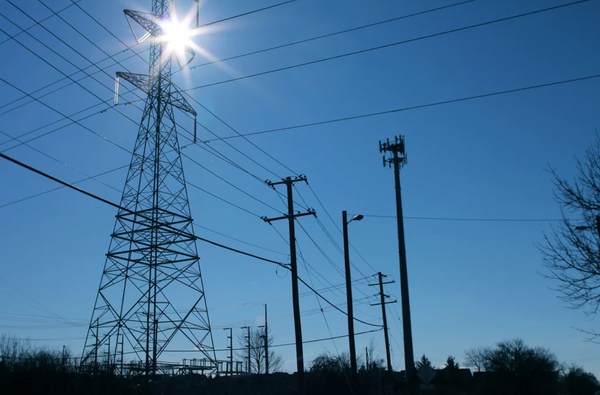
(266, 343)
(383, 313)
(289, 182)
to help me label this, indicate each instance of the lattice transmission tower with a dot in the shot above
(151, 292)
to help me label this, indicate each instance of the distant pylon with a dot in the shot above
(151, 294)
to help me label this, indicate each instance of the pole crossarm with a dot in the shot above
(310, 211)
(390, 302)
(287, 180)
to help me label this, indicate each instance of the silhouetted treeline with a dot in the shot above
(509, 368)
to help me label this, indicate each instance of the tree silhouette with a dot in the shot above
(424, 361)
(571, 252)
(576, 381)
(257, 351)
(451, 363)
(475, 357)
(522, 369)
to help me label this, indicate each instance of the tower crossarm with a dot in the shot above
(147, 21)
(140, 81)
(177, 100)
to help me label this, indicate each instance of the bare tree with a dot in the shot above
(372, 362)
(257, 351)
(521, 369)
(571, 252)
(475, 357)
(20, 355)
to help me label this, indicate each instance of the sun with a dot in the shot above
(177, 35)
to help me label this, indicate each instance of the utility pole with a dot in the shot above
(398, 160)
(230, 347)
(249, 348)
(383, 313)
(353, 367)
(289, 182)
(266, 343)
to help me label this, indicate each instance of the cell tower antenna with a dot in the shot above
(398, 159)
(151, 293)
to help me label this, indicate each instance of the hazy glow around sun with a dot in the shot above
(178, 35)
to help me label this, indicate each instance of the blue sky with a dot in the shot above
(472, 283)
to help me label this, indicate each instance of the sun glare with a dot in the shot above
(177, 35)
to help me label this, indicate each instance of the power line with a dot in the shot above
(397, 110)
(37, 23)
(128, 48)
(96, 197)
(231, 184)
(288, 344)
(386, 46)
(61, 187)
(470, 219)
(330, 34)
(65, 117)
(103, 85)
(247, 13)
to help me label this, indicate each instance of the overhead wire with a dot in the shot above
(37, 23)
(318, 300)
(247, 13)
(238, 240)
(464, 28)
(203, 107)
(206, 109)
(328, 260)
(222, 199)
(59, 161)
(61, 187)
(335, 224)
(471, 219)
(331, 34)
(61, 72)
(91, 92)
(287, 344)
(397, 110)
(143, 216)
(66, 117)
(62, 57)
(230, 184)
(128, 48)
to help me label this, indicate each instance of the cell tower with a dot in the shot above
(151, 293)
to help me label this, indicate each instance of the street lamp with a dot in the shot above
(353, 367)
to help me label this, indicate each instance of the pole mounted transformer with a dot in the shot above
(151, 293)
